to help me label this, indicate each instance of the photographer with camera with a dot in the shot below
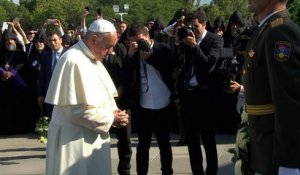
(198, 51)
(230, 68)
(238, 32)
(152, 85)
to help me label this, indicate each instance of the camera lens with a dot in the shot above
(183, 32)
(143, 45)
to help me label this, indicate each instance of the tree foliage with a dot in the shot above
(9, 10)
(295, 11)
(225, 8)
(65, 10)
(35, 12)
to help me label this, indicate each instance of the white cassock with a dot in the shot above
(82, 93)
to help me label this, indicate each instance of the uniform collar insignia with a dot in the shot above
(251, 53)
(282, 51)
(276, 22)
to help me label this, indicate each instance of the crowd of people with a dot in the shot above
(151, 77)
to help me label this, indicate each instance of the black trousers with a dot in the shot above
(124, 147)
(148, 122)
(199, 123)
(49, 109)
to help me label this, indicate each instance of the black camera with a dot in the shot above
(99, 12)
(225, 69)
(87, 8)
(184, 32)
(226, 73)
(143, 45)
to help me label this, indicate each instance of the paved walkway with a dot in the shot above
(24, 155)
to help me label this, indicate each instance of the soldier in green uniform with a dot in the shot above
(272, 90)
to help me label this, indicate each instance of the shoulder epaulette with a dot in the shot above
(277, 22)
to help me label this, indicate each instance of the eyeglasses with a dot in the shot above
(39, 41)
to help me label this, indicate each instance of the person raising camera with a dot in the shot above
(198, 51)
(152, 67)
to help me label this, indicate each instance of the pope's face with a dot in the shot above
(104, 45)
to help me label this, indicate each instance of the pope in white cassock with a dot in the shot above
(82, 93)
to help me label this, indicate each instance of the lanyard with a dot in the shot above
(144, 63)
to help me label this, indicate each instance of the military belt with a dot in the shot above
(260, 109)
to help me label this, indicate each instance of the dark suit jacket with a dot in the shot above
(34, 64)
(117, 69)
(46, 72)
(28, 49)
(161, 59)
(203, 58)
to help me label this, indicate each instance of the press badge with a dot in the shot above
(34, 63)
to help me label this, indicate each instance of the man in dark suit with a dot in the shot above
(153, 86)
(198, 53)
(48, 62)
(117, 69)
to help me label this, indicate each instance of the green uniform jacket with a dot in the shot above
(272, 76)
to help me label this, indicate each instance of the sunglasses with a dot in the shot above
(30, 33)
(40, 41)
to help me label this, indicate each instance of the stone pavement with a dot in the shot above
(24, 155)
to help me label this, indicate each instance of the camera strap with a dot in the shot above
(144, 67)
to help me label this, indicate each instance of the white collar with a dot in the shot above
(201, 38)
(86, 50)
(59, 50)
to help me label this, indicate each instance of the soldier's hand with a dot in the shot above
(234, 87)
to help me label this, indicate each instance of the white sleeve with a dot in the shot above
(96, 119)
(60, 31)
(21, 41)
